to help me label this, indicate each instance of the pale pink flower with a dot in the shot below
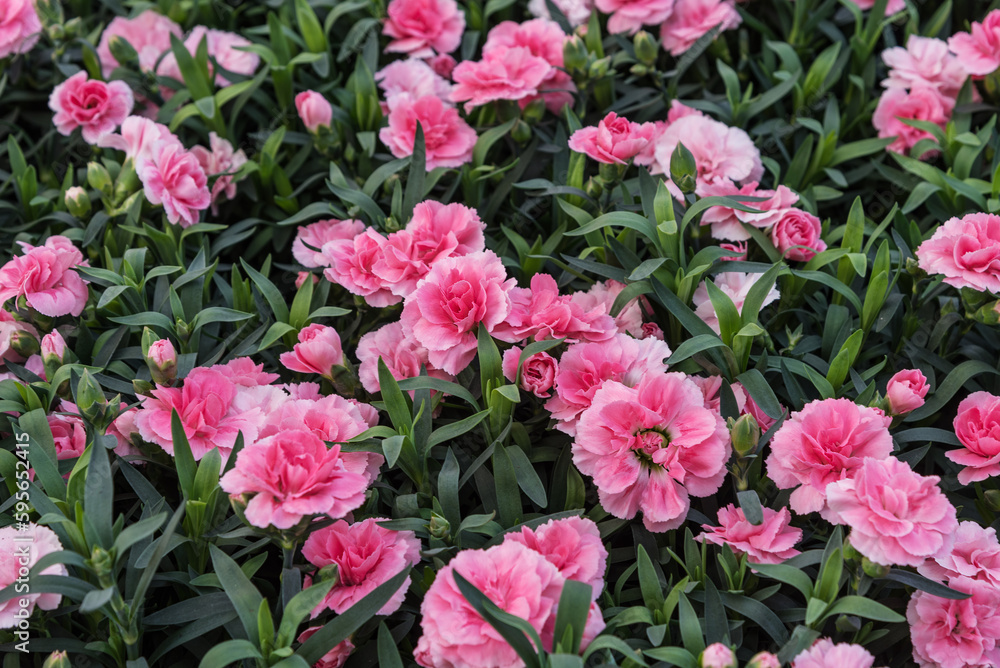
(966, 251)
(573, 545)
(798, 228)
(414, 77)
(459, 295)
(538, 373)
(735, 285)
(244, 372)
(366, 556)
(825, 442)
(924, 62)
(95, 106)
(979, 50)
(906, 391)
(336, 657)
(615, 140)
(541, 313)
(44, 277)
(314, 110)
(577, 12)
(825, 654)
(770, 542)
(655, 129)
(603, 294)
(975, 555)
(174, 178)
(422, 28)
(764, 660)
(10, 328)
(303, 276)
(318, 351)
(650, 447)
(448, 140)
(307, 249)
(718, 655)
(949, 633)
(293, 475)
(893, 7)
(139, 138)
(692, 19)
(148, 33)
(223, 161)
(585, 367)
(977, 426)
(738, 249)
(23, 549)
(504, 73)
(222, 47)
(727, 223)
(920, 103)
(544, 39)
(403, 357)
(628, 16)
(20, 28)
(123, 428)
(68, 431)
(350, 265)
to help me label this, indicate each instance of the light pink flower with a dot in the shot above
(720, 152)
(244, 372)
(317, 235)
(366, 556)
(95, 106)
(573, 545)
(148, 33)
(44, 276)
(204, 403)
(544, 39)
(655, 129)
(615, 140)
(979, 50)
(448, 140)
(651, 330)
(403, 357)
(893, 7)
(920, 103)
(585, 367)
(977, 426)
(10, 328)
(138, 138)
(577, 12)
(293, 475)
(924, 62)
(718, 655)
(906, 391)
(314, 110)
(764, 660)
(966, 251)
(825, 442)
(23, 549)
(459, 295)
(123, 428)
(538, 373)
(174, 178)
(541, 313)
(222, 47)
(422, 28)
(896, 515)
(303, 276)
(975, 555)
(414, 77)
(68, 432)
(628, 16)
(442, 64)
(20, 28)
(735, 285)
(603, 294)
(948, 633)
(317, 351)
(798, 228)
(825, 654)
(692, 19)
(351, 262)
(770, 542)
(738, 249)
(504, 73)
(727, 223)
(711, 387)
(221, 160)
(651, 447)
(53, 345)
(336, 657)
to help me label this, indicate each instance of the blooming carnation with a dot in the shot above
(223, 161)
(648, 448)
(318, 351)
(317, 235)
(966, 251)
(770, 542)
(921, 103)
(544, 39)
(423, 27)
(538, 373)
(138, 138)
(577, 12)
(825, 654)
(542, 313)
(977, 426)
(727, 223)
(68, 431)
(222, 47)
(628, 16)
(573, 545)
(402, 355)
(735, 285)
(44, 277)
(148, 33)
(949, 633)
(602, 294)
(925, 62)
(504, 73)
(975, 555)
(20, 27)
(825, 442)
(798, 228)
(243, 372)
(692, 19)
(979, 49)
(414, 77)
(906, 391)
(615, 140)
(448, 140)
(174, 178)
(95, 106)
(351, 262)
(36, 542)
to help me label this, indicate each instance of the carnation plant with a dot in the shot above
(469, 334)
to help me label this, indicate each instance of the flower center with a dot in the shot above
(646, 444)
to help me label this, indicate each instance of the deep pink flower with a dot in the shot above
(448, 139)
(770, 542)
(293, 475)
(764, 660)
(975, 555)
(920, 103)
(422, 28)
(692, 19)
(648, 448)
(413, 77)
(148, 33)
(798, 228)
(538, 373)
(966, 251)
(825, 442)
(68, 432)
(318, 351)
(95, 106)
(442, 64)
(978, 50)
(402, 354)
(504, 73)
(977, 426)
(366, 556)
(174, 178)
(651, 330)
(314, 110)
(925, 62)
(220, 159)
(44, 276)
(573, 545)
(20, 28)
(948, 633)
(317, 235)
(336, 657)
(615, 140)
(459, 295)
(628, 16)
(735, 285)
(34, 542)
(351, 262)
(602, 295)
(825, 654)
(906, 391)
(541, 313)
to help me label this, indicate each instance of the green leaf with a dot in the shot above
(750, 504)
(677, 656)
(518, 633)
(527, 476)
(716, 622)
(507, 491)
(952, 383)
(625, 219)
(41, 451)
(97, 497)
(245, 597)
(183, 458)
(571, 615)
(866, 608)
(228, 652)
(923, 584)
(388, 653)
(456, 429)
(787, 574)
(759, 613)
(96, 599)
(649, 582)
(271, 294)
(695, 345)
(298, 609)
(691, 634)
(395, 401)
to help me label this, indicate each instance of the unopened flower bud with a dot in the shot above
(534, 111)
(988, 314)
(764, 660)
(612, 173)
(873, 570)
(24, 343)
(77, 201)
(99, 178)
(57, 660)
(439, 527)
(53, 349)
(683, 169)
(328, 572)
(745, 433)
(101, 561)
(142, 387)
(646, 48)
(599, 68)
(718, 655)
(593, 188)
(992, 497)
(162, 362)
(91, 400)
(122, 51)
(850, 553)
(521, 132)
(575, 54)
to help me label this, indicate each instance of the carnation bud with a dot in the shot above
(745, 433)
(122, 51)
(575, 54)
(50, 12)
(521, 132)
(73, 26)
(992, 497)
(53, 348)
(101, 561)
(988, 314)
(646, 48)
(24, 343)
(57, 660)
(439, 527)
(534, 111)
(142, 387)
(851, 553)
(330, 572)
(593, 188)
(611, 174)
(91, 400)
(99, 178)
(718, 655)
(683, 169)
(764, 660)
(161, 358)
(599, 68)
(873, 570)
(77, 201)
(182, 329)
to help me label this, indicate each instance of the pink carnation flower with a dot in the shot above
(139, 137)
(966, 251)
(11, 327)
(422, 28)
(459, 295)
(977, 426)
(925, 62)
(402, 354)
(896, 515)
(366, 556)
(614, 140)
(541, 313)
(825, 442)
(893, 7)
(727, 223)
(310, 240)
(336, 657)
(351, 262)
(504, 73)
(648, 448)
(148, 33)
(413, 77)
(577, 12)
(602, 295)
(33, 542)
(44, 277)
(293, 475)
(948, 633)
(243, 372)
(979, 50)
(223, 161)
(95, 106)
(174, 178)
(538, 373)
(628, 16)
(222, 47)
(735, 285)
(573, 545)
(770, 542)
(798, 228)
(585, 367)
(739, 251)
(921, 104)
(317, 351)
(20, 28)
(544, 39)
(906, 391)
(314, 110)
(692, 19)
(825, 654)
(974, 555)
(68, 431)
(448, 140)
